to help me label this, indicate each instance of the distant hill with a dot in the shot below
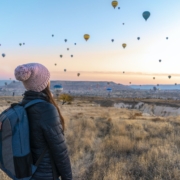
(161, 87)
(88, 85)
(74, 85)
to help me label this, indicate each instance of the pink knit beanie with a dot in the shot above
(34, 76)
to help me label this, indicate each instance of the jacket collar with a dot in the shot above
(31, 95)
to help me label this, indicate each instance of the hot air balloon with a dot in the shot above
(112, 40)
(124, 45)
(157, 84)
(175, 84)
(138, 38)
(169, 77)
(153, 77)
(71, 55)
(55, 64)
(146, 15)
(52, 35)
(109, 89)
(78, 74)
(3, 55)
(167, 38)
(160, 60)
(86, 36)
(65, 40)
(64, 70)
(58, 89)
(61, 56)
(118, 7)
(114, 4)
(123, 72)
(154, 88)
(123, 23)
(74, 43)
(129, 82)
(20, 44)
(68, 49)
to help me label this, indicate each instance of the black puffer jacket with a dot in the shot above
(46, 131)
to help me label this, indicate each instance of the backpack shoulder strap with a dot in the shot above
(55, 176)
(39, 160)
(33, 102)
(41, 157)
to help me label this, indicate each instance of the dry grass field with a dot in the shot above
(106, 143)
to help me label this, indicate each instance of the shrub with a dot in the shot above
(65, 98)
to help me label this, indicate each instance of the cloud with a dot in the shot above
(120, 72)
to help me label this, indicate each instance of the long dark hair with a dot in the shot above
(52, 101)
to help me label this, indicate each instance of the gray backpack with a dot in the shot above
(15, 154)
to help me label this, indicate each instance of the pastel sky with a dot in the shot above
(34, 21)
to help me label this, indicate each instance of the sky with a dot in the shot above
(34, 21)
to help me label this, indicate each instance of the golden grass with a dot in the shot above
(106, 143)
(122, 144)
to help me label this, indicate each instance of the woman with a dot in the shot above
(46, 124)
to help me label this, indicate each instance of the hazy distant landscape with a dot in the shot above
(99, 89)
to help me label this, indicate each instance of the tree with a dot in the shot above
(65, 98)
